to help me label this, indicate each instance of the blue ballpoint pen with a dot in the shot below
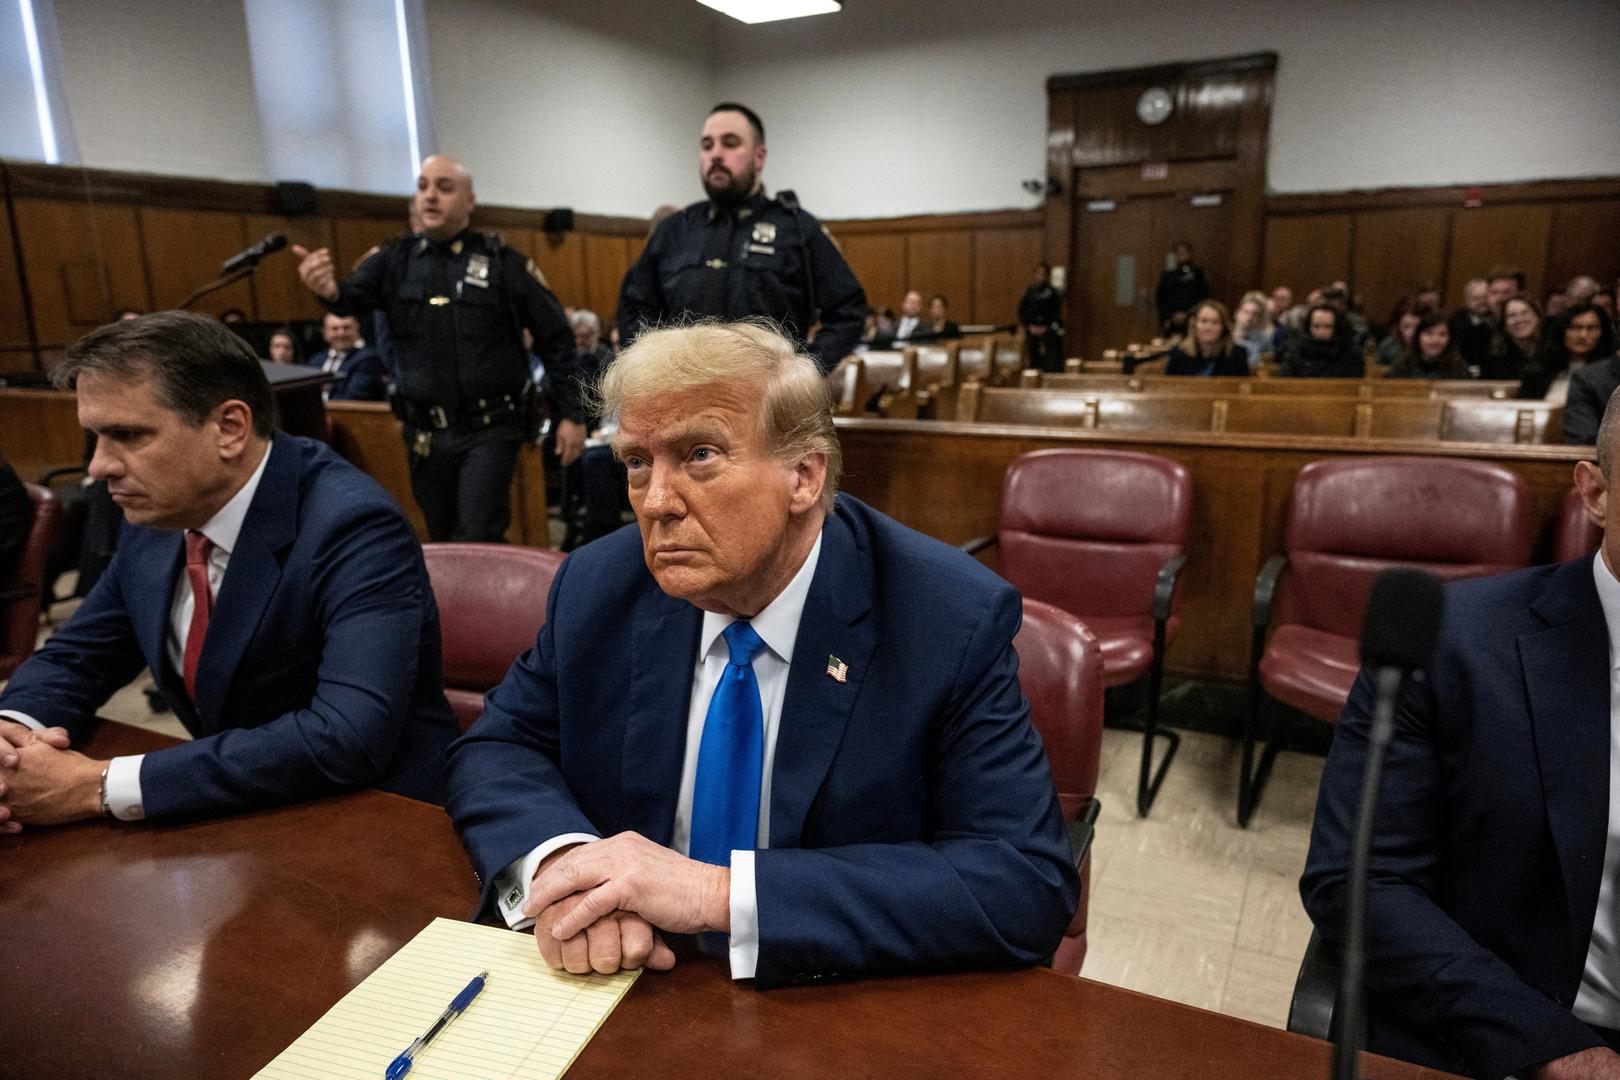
(402, 1064)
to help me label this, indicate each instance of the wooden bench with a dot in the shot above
(1147, 383)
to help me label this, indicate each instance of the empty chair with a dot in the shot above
(1349, 520)
(1060, 672)
(1102, 534)
(1575, 534)
(492, 603)
(22, 591)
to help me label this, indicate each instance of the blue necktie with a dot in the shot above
(731, 757)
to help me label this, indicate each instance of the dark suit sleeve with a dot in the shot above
(997, 885)
(82, 664)
(367, 583)
(641, 296)
(366, 378)
(538, 310)
(1583, 409)
(1424, 966)
(839, 298)
(365, 289)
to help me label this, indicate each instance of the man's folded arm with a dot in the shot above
(1418, 958)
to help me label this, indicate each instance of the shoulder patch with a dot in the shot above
(375, 248)
(831, 239)
(534, 272)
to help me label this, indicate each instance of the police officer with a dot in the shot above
(456, 302)
(1041, 315)
(740, 253)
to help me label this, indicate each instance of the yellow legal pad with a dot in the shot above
(529, 1021)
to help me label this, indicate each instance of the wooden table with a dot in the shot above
(203, 950)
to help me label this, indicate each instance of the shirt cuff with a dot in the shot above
(124, 788)
(22, 718)
(744, 916)
(512, 884)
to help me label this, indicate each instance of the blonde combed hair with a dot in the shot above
(796, 413)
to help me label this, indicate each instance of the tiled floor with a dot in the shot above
(1185, 905)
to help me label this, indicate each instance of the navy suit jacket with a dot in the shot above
(913, 823)
(1490, 832)
(361, 377)
(321, 669)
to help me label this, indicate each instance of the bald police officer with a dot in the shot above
(456, 303)
(740, 253)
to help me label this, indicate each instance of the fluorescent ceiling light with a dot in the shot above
(758, 11)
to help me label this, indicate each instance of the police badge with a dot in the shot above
(477, 271)
(764, 232)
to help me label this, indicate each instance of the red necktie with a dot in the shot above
(198, 548)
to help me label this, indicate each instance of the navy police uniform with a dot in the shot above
(455, 312)
(763, 257)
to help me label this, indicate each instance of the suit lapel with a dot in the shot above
(817, 707)
(1566, 678)
(250, 579)
(664, 652)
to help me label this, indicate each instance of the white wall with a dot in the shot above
(896, 107)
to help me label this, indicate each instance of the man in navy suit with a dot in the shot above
(357, 370)
(1493, 923)
(278, 595)
(798, 724)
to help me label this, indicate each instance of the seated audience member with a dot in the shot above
(1403, 322)
(1501, 285)
(1325, 350)
(1338, 294)
(798, 722)
(910, 324)
(1590, 389)
(1253, 329)
(125, 314)
(1474, 324)
(600, 477)
(233, 316)
(1040, 313)
(1556, 303)
(940, 326)
(358, 372)
(283, 347)
(1515, 342)
(1604, 298)
(1430, 354)
(1208, 348)
(16, 519)
(1280, 303)
(1580, 289)
(1493, 946)
(276, 592)
(1576, 338)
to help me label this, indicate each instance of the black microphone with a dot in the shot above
(250, 257)
(1398, 635)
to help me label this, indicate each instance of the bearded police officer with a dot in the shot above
(456, 303)
(740, 253)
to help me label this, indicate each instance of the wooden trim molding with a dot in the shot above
(977, 219)
(1201, 69)
(1458, 196)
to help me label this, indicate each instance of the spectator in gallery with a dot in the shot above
(1040, 313)
(1253, 329)
(1515, 342)
(1474, 324)
(910, 324)
(1604, 298)
(1181, 285)
(1574, 339)
(1282, 299)
(1431, 354)
(1427, 296)
(940, 326)
(233, 317)
(126, 314)
(1403, 323)
(283, 347)
(1208, 348)
(1503, 283)
(1580, 289)
(1325, 349)
(1556, 303)
(1338, 294)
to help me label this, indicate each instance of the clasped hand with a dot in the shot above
(596, 905)
(42, 782)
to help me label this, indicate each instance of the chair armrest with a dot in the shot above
(980, 543)
(1164, 586)
(9, 595)
(1316, 991)
(57, 474)
(1082, 829)
(1265, 590)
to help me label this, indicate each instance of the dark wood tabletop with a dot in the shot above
(201, 951)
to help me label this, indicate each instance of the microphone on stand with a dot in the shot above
(250, 257)
(1398, 635)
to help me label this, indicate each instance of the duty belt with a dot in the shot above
(483, 413)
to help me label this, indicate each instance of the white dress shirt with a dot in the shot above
(124, 773)
(1598, 1001)
(778, 627)
(905, 328)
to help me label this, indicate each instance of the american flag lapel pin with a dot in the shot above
(837, 669)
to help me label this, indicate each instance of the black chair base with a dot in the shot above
(1150, 778)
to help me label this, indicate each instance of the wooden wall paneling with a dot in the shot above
(1057, 235)
(84, 262)
(1306, 251)
(879, 263)
(278, 294)
(39, 431)
(1003, 267)
(184, 249)
(354, 236)
(1247, 196)
(1585, 240)
(942, 262)
(606, 260)
(1394, 251)
(561, 257)
(1488, 236)
(16, 339)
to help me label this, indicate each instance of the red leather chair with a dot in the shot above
(1349, 520)
(1060, 671)
(1102, 534)
(1576, 534)
(492, 603)
(22, 591)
